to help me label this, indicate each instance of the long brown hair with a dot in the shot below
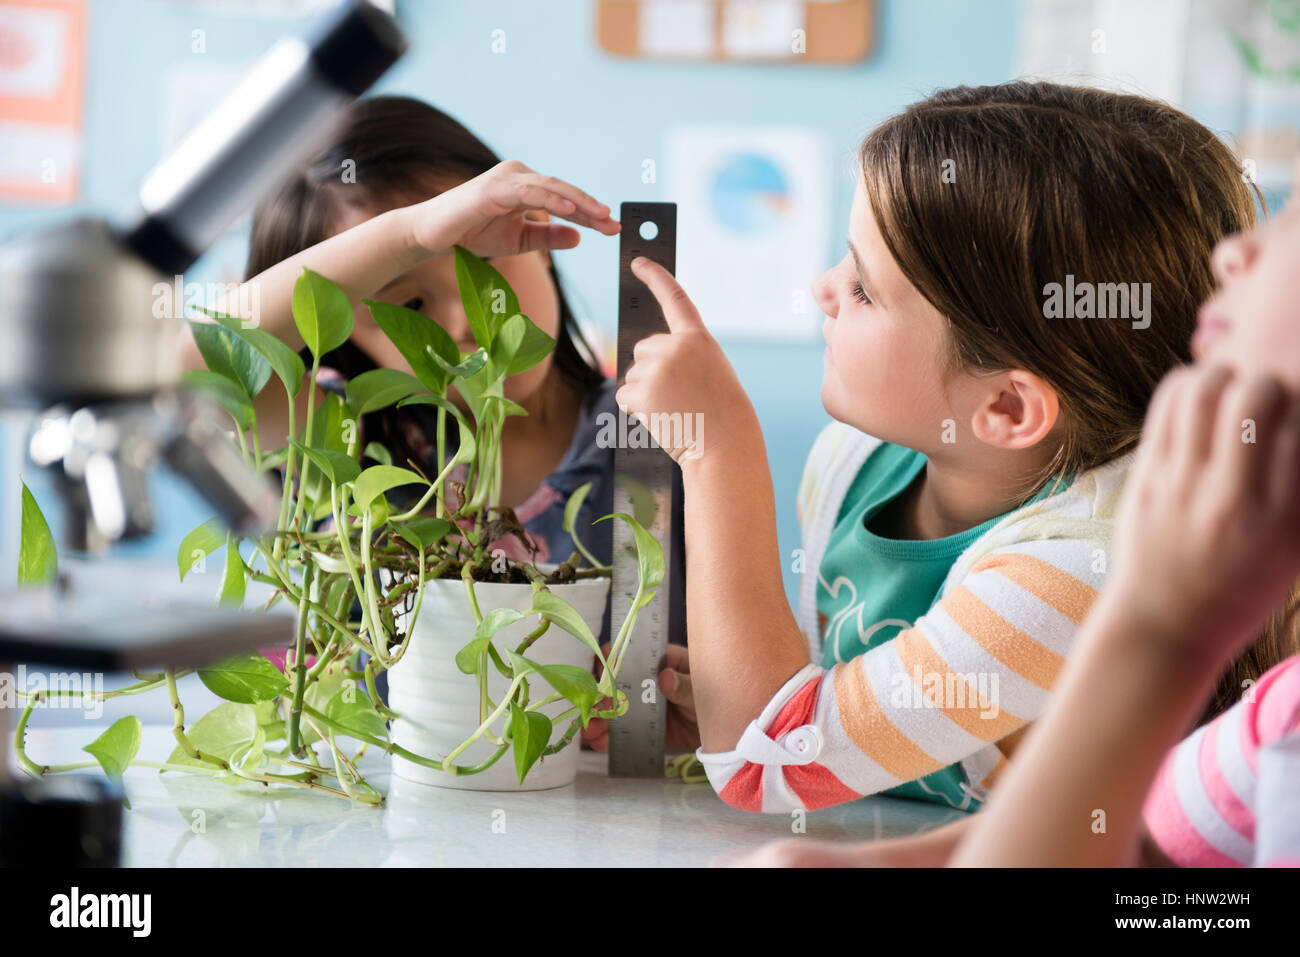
(1050, 181)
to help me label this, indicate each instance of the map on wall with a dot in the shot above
(42, 64)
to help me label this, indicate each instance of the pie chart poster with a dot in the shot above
(753, 226)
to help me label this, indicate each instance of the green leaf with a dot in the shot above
(574, 506)
(520, 345)
(508, 408)
(235, 576)
(38, 558)
(116, 748)
(339, 467)
(248, 678)
(467, 367)
(318, 694)
(559, 612)
(576, 684)
(226, 393)
(203, 541)
(498, 618)
(649, 553)
(228, 731)
(328, 424)
(530, 732)
(423, 532)
(268, 719)
(380, 388)
(322, 313)
(356, 715)
(288, 365)
(520, 665)
(415, 334)
(378, 479)
(486, 296)
(379, 453)
(229, 355)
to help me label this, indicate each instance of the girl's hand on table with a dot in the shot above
(681, 733)
(1207, 540)
(681, 387)
(929, 849)
(503, 213)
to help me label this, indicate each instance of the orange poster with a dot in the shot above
(42, 70)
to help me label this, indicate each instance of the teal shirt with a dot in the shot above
(871, 588)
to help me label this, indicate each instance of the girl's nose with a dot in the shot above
(823, 294)
(1232, 257)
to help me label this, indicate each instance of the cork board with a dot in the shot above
(828, 31)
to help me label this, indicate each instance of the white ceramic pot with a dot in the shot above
(438, 703)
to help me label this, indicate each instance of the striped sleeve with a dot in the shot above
(972, 671)
(1225, 796)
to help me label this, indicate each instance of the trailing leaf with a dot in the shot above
(38, 558)
(247, 678)
(353, 709)
(116, 748)
(530, 732)
(234, 578)
(207, 539)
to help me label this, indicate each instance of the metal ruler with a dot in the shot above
(647, 485)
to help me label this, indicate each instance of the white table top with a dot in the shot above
(597, 821)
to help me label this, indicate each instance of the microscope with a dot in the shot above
(81, 346)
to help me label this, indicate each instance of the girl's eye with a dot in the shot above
(859, 293)
(414, 304)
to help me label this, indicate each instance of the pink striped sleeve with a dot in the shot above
(1202, 809)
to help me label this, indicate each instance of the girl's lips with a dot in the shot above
(1209, 326)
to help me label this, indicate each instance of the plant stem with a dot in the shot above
(442, 457)
(306, 462)
(178, 727)
(289, 462)
(300, 667)
(20, 736)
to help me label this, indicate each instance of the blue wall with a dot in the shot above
(563, 106)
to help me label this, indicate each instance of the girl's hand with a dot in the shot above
(488, 214)
(1207, 542)
(680, 381)
(681, 731)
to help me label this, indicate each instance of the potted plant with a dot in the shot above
(486, 655)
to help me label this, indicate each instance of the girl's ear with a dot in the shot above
(1019, 411)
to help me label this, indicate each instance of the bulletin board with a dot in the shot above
(770, 31)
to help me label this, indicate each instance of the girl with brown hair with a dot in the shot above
(957, 516)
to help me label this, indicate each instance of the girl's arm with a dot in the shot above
(872, 725)
(487, 214)
(1208, 544)
(745, 643)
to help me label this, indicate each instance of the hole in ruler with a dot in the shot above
(648, 230)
